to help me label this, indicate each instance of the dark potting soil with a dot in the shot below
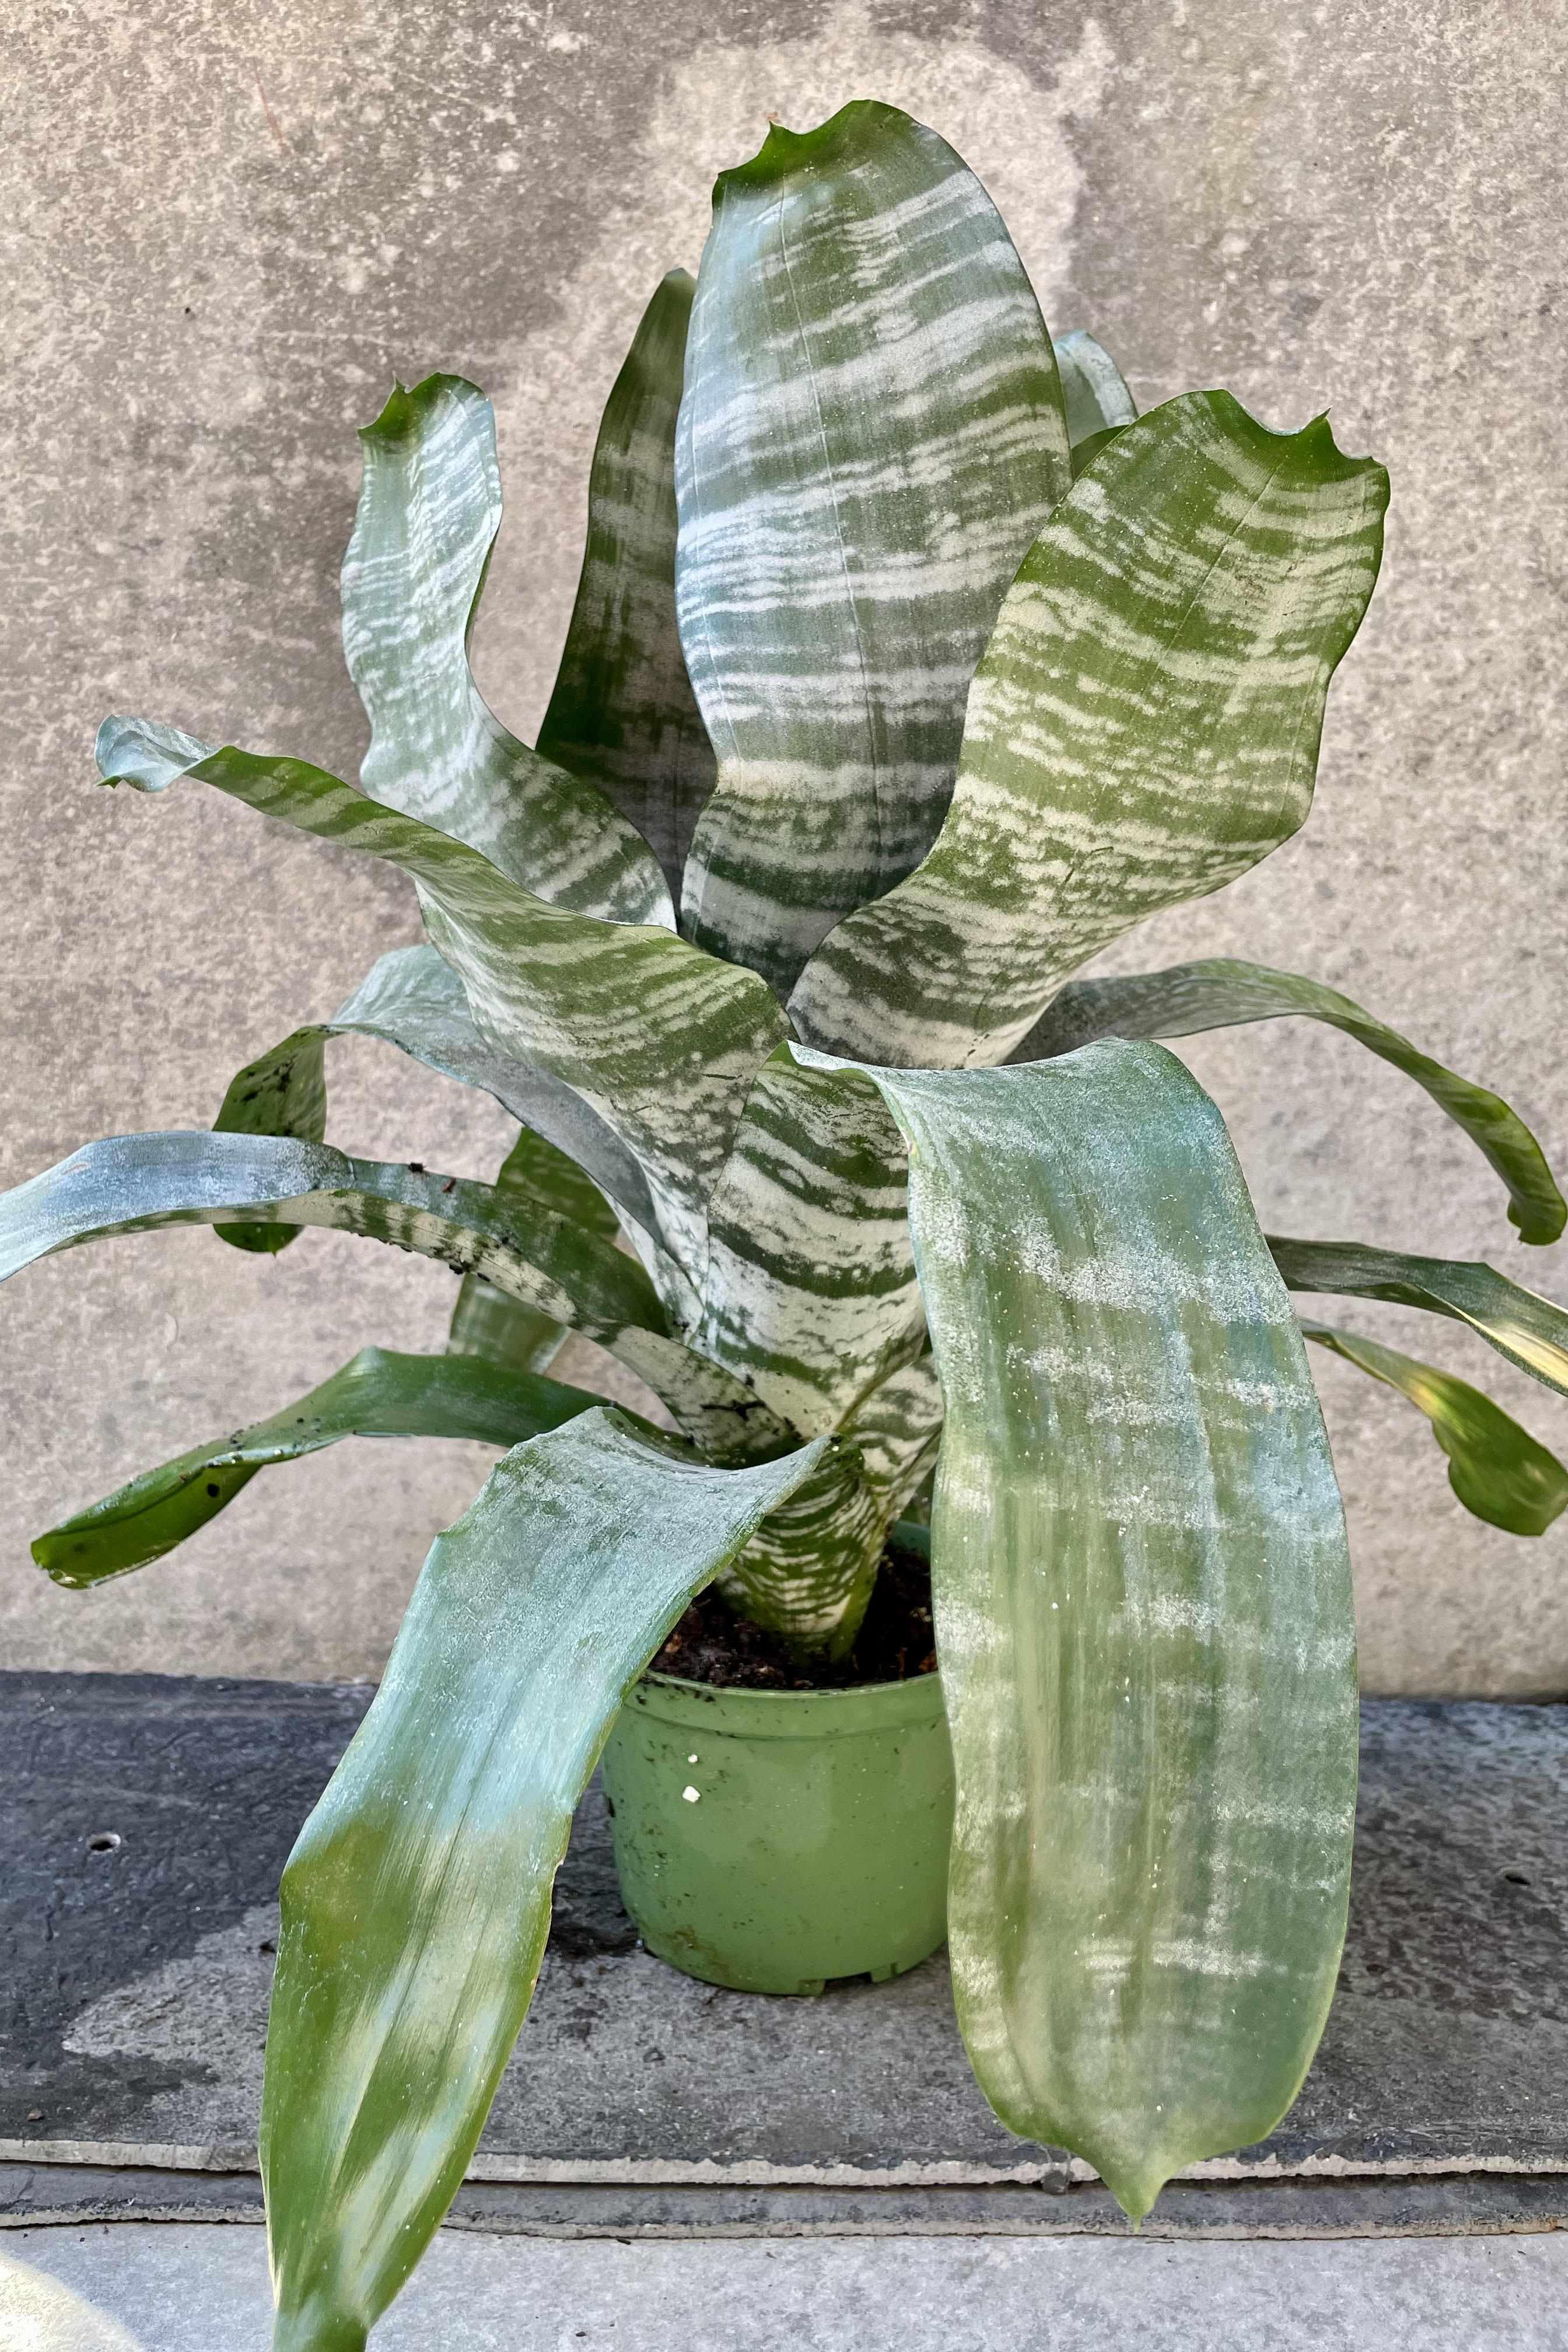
(710, 1645)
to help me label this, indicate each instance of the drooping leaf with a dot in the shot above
(1495, 1468)
(1142, 1604)
(1094, 395)
(871, 435)
(1220, 993)
(659, 1041)
(1143, 728)
(416, 1901)
(485, 1321)
(378, 1394)
(623, 711)
(1530, 1331)
(429, 511)
(131, 1183)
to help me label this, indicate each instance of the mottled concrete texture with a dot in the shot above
(226, 226)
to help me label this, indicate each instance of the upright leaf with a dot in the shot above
(1142, 1604)
(1497, 1469)
(1094, 395)
(659, 1041)
(377, 1394)
(1530, 1331)
(623, 712)
(1220, 993)
(1143, 728)
(871, 435)
(429, 513)
(416, 1901)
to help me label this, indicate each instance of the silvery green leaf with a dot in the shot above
(1142, 1602)
(1530, 1331)
(897, 1428)
(871, 435)
(1094, 391)
(623, 712)
(416, 1901)
(1186, 998)
(485, 1321)
(429, 511)
(1495, 1468)
(660, 1041)
(132, 1183)
(378, 1394)
(1143, 728)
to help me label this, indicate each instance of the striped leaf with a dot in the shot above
(623, 712)
(1143, 1602)
(1143, 728)
(1497, 1469)
(378, 1394)
(429, 511)
(131, 1183)
(1094, 395)
(871, 435)
(1530, 1331)
(1220, 993)
(416, 1901)
(659, 1041)
(485, 1321)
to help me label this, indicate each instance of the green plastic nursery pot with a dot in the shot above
(772, 1840)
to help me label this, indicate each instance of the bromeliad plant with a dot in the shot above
(908, 669)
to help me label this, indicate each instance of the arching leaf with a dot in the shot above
(377, 1394)
(416, 1901)
(623, 711)
(1530, 1331)
(1143, 1602)
(429, 511)
(1217, 993)
(871, 435)
(1143, 728)
(1497, 1469)
(485, 1321)
(659, 1041)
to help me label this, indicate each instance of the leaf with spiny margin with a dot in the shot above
(485, 1321)
(132, 1183)
(429, 509)
(871, 435)
(377, 1394)
(623, 712)
(1219, 992)
(417, 1901)
(1143, 727)
(810, 1291)
(659, 1041)
(1495, 1468)
(1094, 395)
(1142, 1593)
(1530, 1331)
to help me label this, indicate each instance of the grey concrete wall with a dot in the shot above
(228, 222)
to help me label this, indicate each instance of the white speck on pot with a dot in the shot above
(691, 1759)
(691, 1795)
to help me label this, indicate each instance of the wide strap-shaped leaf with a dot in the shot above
(623, 711)
(659, 1041)
(1143, 728)
(1142, 1602)
(416, 1901)
(810, 1292)
(1094, 395)
(377, 1394)
(1220, 993)
(1495, 1468)
(1530, 1331)
(485, 1321)
(871, 435)
(429, 509)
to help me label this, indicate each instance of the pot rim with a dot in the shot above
(790, 1714)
